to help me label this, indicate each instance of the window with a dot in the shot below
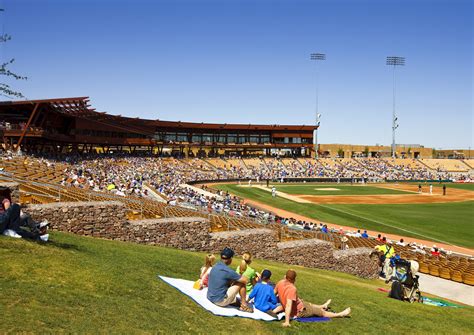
(254, 139)
(232, 138)
(197, 138)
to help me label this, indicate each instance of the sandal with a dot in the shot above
(246, 308)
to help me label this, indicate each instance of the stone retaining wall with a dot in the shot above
(311, 253)
(96, 218)
(190, 233)
(108, 220)
(260, 242)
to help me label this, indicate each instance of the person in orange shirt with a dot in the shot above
(294, 306)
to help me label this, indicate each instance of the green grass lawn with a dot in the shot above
(444, 222)
(85, 285)
(315, 189)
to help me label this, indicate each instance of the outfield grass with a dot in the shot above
(315, 189)
(84, 285)
(443, 222)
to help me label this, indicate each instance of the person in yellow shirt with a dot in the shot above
(386, 251)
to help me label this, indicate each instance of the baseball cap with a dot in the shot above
(227, 253)
(266, 274)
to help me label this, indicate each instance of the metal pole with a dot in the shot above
(393, 116)
(317, 57)
(394, 61)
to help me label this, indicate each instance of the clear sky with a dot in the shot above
(248, 62)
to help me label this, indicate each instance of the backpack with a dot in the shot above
(396, 291)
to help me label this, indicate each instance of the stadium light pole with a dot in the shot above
(317, 57)
(394, 61)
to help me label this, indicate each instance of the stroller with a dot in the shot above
(404, 280)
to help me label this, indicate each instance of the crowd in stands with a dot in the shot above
(138, 175)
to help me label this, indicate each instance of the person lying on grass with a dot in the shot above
(294, 306)
(264, 297)
(224, 284)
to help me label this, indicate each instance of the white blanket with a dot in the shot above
(199, 296)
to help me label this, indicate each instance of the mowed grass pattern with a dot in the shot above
(85, 285)
(444, 222)
(315, 189)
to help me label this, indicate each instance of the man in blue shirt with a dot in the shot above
(365, 235)
(224, 284)
(264, 295)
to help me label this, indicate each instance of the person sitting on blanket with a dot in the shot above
(205, 270)
(245, 270)
(294, 306)
(264, 297)
(224, 284)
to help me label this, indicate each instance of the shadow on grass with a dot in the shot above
(61, 245)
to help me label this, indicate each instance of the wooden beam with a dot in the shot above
(27, 126)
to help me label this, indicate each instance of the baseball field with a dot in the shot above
(389, 208)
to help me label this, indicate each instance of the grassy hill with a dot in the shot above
(442, 222)
(85, 285)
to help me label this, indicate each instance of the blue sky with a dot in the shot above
(248, 62)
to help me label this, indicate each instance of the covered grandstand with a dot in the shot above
(71, 124)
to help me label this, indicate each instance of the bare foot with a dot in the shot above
(326, 304)
(345, 312)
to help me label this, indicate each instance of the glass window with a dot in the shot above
(243, 139)
(207, 137)
(197, 138)
(182, 137)
(231, 138)
(254, 139)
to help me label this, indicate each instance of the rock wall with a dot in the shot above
(312, 253)
(108, 220)
(260, 242)
(105, 219)
(190, 233)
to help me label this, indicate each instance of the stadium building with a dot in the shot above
(70, 124)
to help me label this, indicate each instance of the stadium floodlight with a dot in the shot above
(394, 61)
(317, 57)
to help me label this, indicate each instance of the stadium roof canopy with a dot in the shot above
(80, 107)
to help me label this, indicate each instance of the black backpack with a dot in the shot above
(397, 291)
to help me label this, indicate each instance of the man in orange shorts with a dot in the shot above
(294, 306)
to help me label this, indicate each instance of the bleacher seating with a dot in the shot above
(450, 165)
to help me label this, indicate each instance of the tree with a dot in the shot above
(340, 153)
(366, 151)
(5, 89)
(434, 154)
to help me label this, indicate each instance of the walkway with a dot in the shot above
(447, 289)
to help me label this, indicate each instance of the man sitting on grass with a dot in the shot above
(224, 284)
(264, 296)
(294, 306)
(12, 220)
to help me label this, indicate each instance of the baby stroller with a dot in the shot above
(404, 280)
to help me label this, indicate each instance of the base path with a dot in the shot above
(287, 214)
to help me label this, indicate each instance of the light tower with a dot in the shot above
(394, 61)
(317, 57)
